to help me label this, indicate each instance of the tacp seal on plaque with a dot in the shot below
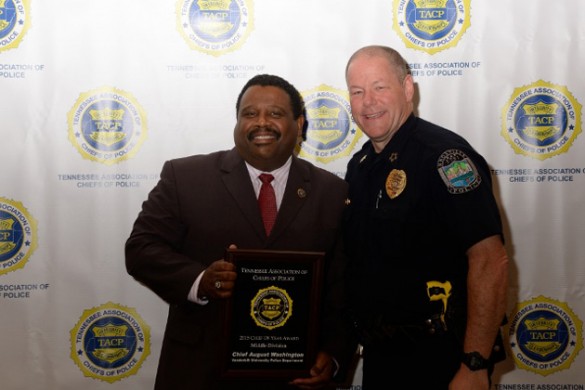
(541, 120)
(107, 125)
(215, 27)
(457, 171)
(431, 25)
(545, 335)
(110, 342)
(18, 235)
(331, 131)
(271, 307)
(14, 22)
(395, 183)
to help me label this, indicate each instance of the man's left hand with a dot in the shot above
(321, 373)
(465, 379)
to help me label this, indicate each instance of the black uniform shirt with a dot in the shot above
(415, 209)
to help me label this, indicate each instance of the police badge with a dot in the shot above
(395, 183)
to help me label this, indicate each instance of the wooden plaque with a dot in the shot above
(272, 319)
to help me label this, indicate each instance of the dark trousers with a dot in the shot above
(411, 361)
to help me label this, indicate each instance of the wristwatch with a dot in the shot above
(475, 361)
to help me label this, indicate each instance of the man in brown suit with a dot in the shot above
(206, 203)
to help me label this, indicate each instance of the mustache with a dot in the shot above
(263, 129)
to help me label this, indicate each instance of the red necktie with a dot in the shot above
(267, 202)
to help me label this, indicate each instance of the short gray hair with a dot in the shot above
(392, 56)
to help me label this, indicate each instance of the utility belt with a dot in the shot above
(377, 330)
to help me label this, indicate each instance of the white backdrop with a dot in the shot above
(96, 95)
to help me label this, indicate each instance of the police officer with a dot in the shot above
(429, 270)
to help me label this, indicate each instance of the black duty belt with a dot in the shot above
(378, 331)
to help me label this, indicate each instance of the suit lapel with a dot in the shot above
(236, 178)
(298, 188)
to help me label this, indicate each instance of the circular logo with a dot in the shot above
(107, 125)
(110, 342)
(215, 26)
(458, 171)
(18, 235)
(541, 120)
(271, 307)
(14, 22)
(545, 336)
(431, 25)
(331, 131)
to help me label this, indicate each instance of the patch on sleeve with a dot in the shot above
(458, 172)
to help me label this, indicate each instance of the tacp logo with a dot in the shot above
(18, 235)
(271, 307)
(107, 125)
(110, 342)
(331, 131)
(215, 26)
(14, 22)
(541, 120)
(431, 25)
(545, 336)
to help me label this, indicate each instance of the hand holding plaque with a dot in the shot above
(218, 280)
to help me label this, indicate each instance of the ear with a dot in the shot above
(300, 125)
(408, 85)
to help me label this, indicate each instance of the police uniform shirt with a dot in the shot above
(415, 209)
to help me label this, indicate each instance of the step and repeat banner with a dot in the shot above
(96, 95)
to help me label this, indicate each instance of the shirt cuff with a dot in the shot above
(193, 293)
(336, 364)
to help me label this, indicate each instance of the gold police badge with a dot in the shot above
(395, 183)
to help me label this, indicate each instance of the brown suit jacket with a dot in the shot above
(200, 206)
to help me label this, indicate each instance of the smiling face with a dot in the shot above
(380, 101)
(266, 131)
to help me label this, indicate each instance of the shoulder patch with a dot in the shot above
(458, 172)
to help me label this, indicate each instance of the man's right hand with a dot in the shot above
(218, 280)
